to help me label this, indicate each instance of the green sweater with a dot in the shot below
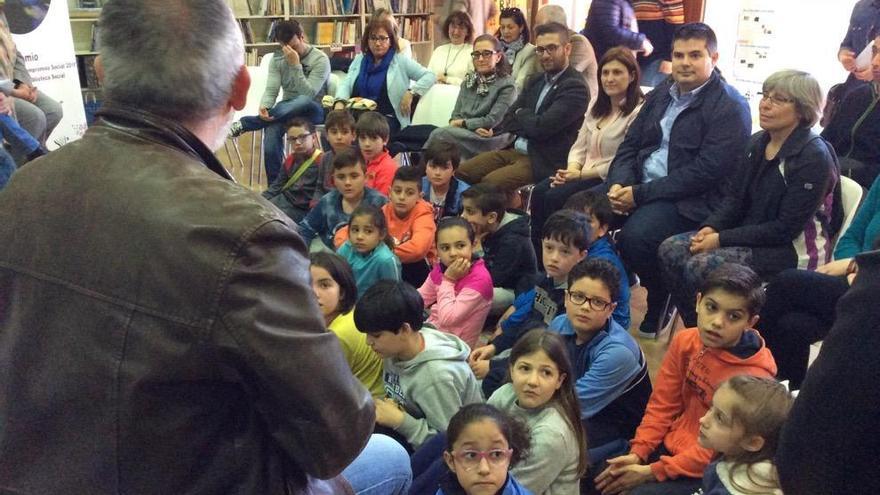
(865, 227)
(307, 78)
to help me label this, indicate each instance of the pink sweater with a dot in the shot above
(459, 308)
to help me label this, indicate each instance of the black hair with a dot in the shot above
(519, 17)
(564, 399)
(442, 152)
(503, 67)
(301, 122)
(377, 219)
(553, 28)
(568, 227)
(738, 280)
(340, 271)
(592, 203)
(372, 125)
(349, 158)
(387, 305)
(697, 31)
(409, 174)
(450, 222)
(460, 18)
(514, 431)
(339, 119)
(487, 198)
(597, 269)
(285, 30)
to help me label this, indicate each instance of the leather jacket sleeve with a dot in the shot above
(270, 329)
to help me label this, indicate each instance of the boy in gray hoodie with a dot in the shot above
(427, 377)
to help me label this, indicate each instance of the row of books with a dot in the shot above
(322, 7)
(415, 28)
(399, 6)
(244, 8)
(342, 32)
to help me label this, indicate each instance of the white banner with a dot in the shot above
(51, 61)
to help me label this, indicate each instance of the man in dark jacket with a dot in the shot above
(158, 331)
(668, 172)
(829, 444)
(545, 119)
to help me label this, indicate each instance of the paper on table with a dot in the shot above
(863, 61)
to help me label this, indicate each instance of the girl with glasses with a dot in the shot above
(482, 444)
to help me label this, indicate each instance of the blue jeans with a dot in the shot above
(651, 75)
(7, 167)
(382, 468)
(273, 145)
(18, 138)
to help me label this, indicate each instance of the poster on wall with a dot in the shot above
(41, 31)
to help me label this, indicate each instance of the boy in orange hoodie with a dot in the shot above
(665, 457)
(372, 135)
(411, 225)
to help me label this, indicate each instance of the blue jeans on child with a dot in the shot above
(18, 138)
(382, 468)
(273, 147)
(7, 167)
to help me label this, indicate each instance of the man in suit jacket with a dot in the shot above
(544, 119)
(582, 57)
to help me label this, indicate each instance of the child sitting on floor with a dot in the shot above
(368, 249)
(440, 186)
(372, 135)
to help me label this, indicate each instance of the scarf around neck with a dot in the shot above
(480, 82)
(371, 78)
(510, 49)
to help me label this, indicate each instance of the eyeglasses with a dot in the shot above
(302, 138)
(471, 459)
(482, 54)
(550, 49)
(379, 39)
(580, 299)
(776, 101)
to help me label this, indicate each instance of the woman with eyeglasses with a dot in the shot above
(451, 61)
(484, 98)
(618, 103)
(781, 208)
(515, 42)
(382, 74)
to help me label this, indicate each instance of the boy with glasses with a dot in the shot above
(611, 374)
(300, 182)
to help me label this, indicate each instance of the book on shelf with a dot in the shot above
(270, 34)
(414, 29)
(325, 32)
(252, 57)
(322, 7)
(247, 31)
(400, 6)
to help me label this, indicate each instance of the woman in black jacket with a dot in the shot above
(780, 210)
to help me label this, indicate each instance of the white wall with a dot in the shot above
(806, 36)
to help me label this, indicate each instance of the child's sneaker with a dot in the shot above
(236, 129)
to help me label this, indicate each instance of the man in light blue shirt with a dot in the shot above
(668, 173)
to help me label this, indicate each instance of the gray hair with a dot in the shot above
(800, 87)
(174, 58)
(554, 13)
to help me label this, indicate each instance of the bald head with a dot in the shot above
(551, 13)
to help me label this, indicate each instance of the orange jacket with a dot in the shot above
(413, 236)
(380, 173)
(683, 390)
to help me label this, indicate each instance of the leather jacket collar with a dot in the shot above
(165, 131)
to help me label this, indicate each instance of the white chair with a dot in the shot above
(259, 75)
(435, 107)
(851, 195)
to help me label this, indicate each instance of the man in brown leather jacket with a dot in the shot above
(158, 331)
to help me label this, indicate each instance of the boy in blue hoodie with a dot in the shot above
(611, 375)
(565, 238)
(427, 377)
(597, 208)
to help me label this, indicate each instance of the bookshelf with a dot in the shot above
(331, 25)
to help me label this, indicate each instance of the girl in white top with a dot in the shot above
(619, 100)
(542, 395)
(453, 60)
